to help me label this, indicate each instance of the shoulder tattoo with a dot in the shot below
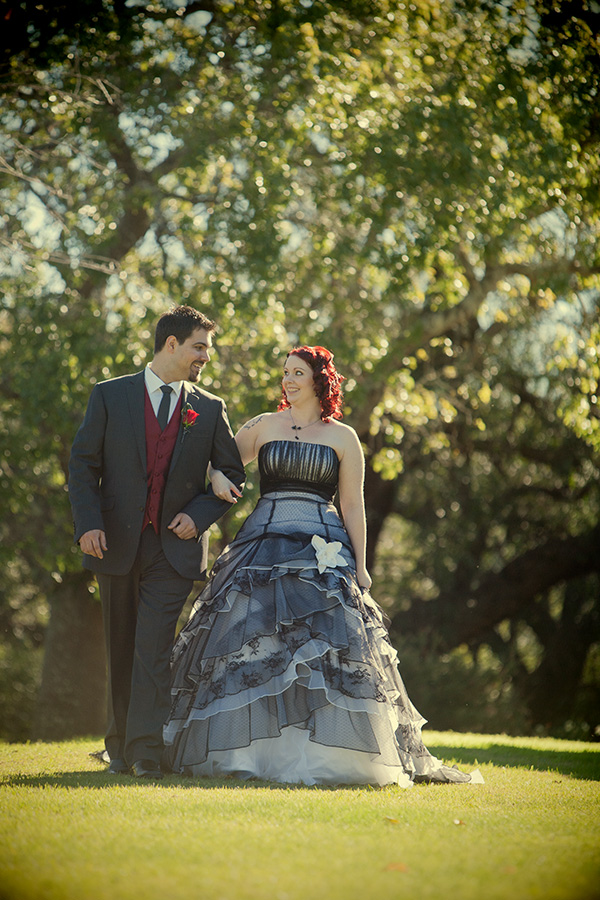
(253, 422)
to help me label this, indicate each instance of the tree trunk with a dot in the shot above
(551, 690)
(380, 496)
(72, 697)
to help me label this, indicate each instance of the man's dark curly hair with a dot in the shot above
(327, 381)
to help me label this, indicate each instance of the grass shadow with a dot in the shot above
(101, 780)
(583, 764)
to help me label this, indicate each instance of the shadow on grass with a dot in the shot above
(101, 780)
(584, 764)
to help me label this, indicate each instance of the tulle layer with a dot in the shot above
(286, 672)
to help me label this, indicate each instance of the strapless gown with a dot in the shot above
(285, 670)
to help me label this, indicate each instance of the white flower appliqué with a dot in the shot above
(328, 554)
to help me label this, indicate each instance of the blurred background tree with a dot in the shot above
(414, 185)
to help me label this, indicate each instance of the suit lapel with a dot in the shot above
(186, 398)
(136, 387)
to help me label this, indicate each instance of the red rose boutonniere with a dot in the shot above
(188, 419)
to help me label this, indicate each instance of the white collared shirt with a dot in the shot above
(153, 386)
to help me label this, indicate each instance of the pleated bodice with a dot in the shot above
(298, 466)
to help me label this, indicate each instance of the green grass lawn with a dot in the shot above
(69, 830)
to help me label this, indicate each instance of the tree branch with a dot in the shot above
(505, 594)
(422, 330)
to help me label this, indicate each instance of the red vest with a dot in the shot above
(159, 450)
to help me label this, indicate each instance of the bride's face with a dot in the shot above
(297, 380)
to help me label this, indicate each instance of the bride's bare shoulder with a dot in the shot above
(259, 423)
(343, 436)
(342, 431)
(252, 423)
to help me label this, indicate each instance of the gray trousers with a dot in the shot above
(140, 612)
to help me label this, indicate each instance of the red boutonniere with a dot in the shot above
(188, 418)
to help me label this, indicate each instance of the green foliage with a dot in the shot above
(20, 676)
(453, 690)
(44, 33)
(415, 186)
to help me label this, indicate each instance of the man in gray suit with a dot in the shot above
(141, 510)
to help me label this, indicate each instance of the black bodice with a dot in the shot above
(298, 466)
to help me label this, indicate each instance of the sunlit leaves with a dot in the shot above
(414, 185)
(576, 370)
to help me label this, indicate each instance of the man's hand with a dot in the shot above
(93, 543)
(184, 527)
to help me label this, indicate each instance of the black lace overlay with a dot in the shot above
(275, 648)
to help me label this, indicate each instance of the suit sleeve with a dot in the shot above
(85, 467)
(206, 508)
(225, 455)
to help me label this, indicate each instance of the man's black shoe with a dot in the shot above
(146, 768)
(118, 767)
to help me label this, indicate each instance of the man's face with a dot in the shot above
(190, 357)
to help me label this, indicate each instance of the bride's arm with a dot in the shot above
(352, 503)
(247, 441)
(248, 437)
(222, 486)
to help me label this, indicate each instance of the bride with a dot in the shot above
(285, 670)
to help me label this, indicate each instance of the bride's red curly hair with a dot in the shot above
(326, 379)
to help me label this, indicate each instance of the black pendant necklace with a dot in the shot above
(295, 427)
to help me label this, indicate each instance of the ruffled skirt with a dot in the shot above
(285, 670)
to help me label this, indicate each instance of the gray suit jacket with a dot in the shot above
(108, 479)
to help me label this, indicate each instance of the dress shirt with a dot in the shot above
(153, 386)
